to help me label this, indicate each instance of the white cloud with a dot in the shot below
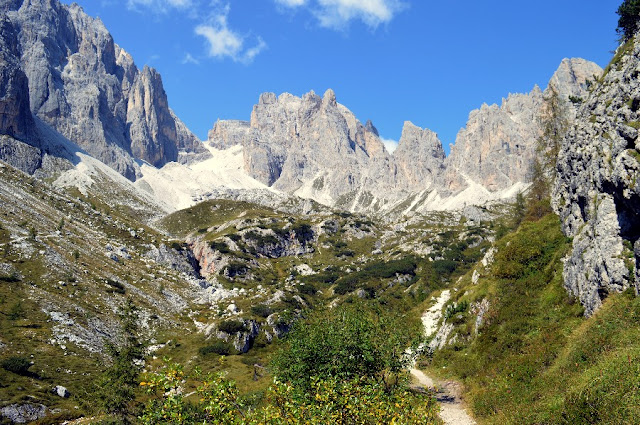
(188, 58)
(291, 3)
(390, 144)
(226, 43)
(161, 6)
(337, 14)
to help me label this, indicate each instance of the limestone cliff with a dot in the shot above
(597, 190)
(87, 88)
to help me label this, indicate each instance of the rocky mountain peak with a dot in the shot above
(329, 99)
(371, 128)
(419, 156)
(267, 99)
(88, 89)
(572, 77)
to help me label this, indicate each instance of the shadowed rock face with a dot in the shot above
(597, 190)
(15, 114)
(88, 89)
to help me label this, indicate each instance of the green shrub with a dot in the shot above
(325, 277)
(345, 253)
(375, 271)
(350, 341)
(261, 310)
(445, 267)
(234, 268)
(221, 247)
(219, 347)
(115, 286)
(16, 364)
(307, 289)
(456, 308)
(261, 239)
(330, 400)
(303, 232)
(232, 326)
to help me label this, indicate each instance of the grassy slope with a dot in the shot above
(536, 359)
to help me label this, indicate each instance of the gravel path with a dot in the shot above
(448, 393)
(452, 410)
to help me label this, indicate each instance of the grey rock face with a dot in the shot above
(15, 114)
(181, 260)
(315, 147)
(419, 157)
(152, 128)
(498, 144)
(574, 76)
(87, 88)
(23, 413)
(20, 155)
(597, 193)
(497, 147)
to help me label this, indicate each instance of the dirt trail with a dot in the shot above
(452, 410)
(448, 393)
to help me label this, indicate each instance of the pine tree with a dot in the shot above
(554, 120)
(118, 384)
(629, 12)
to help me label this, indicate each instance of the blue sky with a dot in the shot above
(387, 60)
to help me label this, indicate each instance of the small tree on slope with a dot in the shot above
(629, 12)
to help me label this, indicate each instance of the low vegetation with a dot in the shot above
(535, 339)
(342, 367)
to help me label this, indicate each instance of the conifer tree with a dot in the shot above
(118, 384)
(629, 12)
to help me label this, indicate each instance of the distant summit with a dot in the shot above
(83, 85)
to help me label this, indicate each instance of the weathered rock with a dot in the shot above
(497, 146)
(23, 413)
(15, 113)
(61, 391)
(597, 193)
(315, 148)
(152, 128)
(419, 157)
(181, 259)
(85, 87)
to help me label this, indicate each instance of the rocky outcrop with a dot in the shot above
(23, 413)
(15, 114)
(573, 78)
(152, 128)
(419, 157)
(314, 147)
(498, 144)
(597, 192)
(88, 89)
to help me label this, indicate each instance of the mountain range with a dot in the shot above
(107, 196)
(62, 70)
